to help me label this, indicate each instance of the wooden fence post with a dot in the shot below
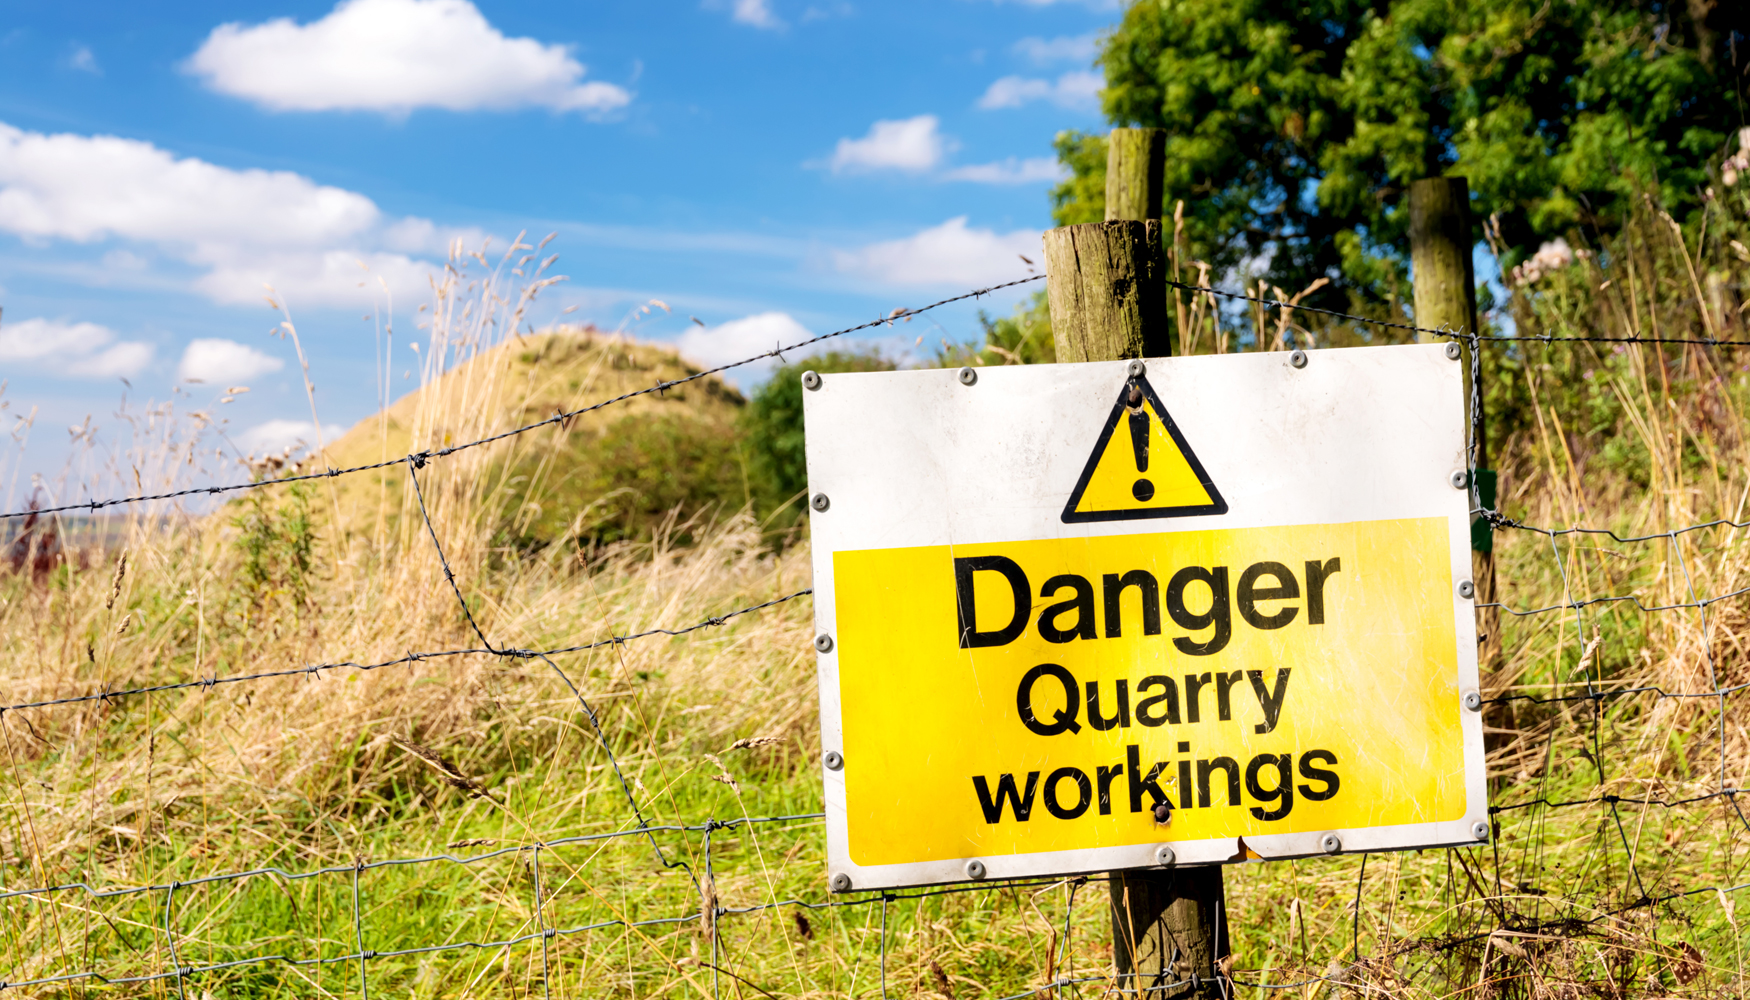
(1446, 295)
(1136, 160)
(1108, 303)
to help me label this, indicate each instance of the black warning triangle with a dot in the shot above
(1141, 466)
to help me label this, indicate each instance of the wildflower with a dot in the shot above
(1552, 256)
(1739, 162)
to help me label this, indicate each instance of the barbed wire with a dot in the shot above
(1459, 334)
(293, 876)
(419, 458)
(545, 932)
(1621, 599)
(315, 669)
(1497, 519)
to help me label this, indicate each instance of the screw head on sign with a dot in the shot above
(823, 642)
(1459, 479)
(841, 882)
(833, 760)
(1163, 812)
(1330, 844)
(1165, 857)
(975, 869)
(820, 502)
(1136, 369)
(1480, 830)
(1452, 350)
(968, 376)
(1297, 358)
(1467, 589)
(810, 380)
(1473, 701)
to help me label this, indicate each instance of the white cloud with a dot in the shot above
(244, 228)
(87, 188)
(394, 56)
(1009, 171)
(742, 338)
(757, 13)
(948, 254)
(223, 362)
(1077, 90)
(84, 61)
(1064, 48)
(915, 146)
(275, 436)
(329, 278)
(116, 361)
(911, 144)
(85, 350)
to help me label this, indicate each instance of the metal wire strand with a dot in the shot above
(316, 669)
(558, 418)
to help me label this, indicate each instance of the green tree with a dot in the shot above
(1295, 127)
(772, 428)
(1021, 338)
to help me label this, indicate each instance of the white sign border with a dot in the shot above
(845, 875)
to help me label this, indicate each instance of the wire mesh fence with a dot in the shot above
(1615, 760)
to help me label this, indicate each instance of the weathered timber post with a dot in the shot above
(1440, 248)
(1446, 295)
(1108, 303)
(1136, 160)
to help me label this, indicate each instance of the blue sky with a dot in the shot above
(772, 167)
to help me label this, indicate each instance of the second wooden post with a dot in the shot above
(1107, 292)
(1446, 297)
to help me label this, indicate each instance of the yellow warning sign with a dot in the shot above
(1079, 693)
(1141, 466)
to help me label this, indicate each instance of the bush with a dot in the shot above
(772, 431)
(1022, 338)
(625, 481)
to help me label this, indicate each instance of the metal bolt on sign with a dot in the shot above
(1452, 350)
(1297, 358)
(1480, 830)
(1330, 843)
(1459, 479)
(1473, 701)
(820, 502)
(841, 882)
(1165, 857)
(810, 380)
(975, 869)
(1467, 589)
(833, 760)
(1136, 369)
(968, 376)
(823, 643)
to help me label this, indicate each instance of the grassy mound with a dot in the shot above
(467, 753)
(614, 474)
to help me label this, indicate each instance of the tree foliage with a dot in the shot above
(1021, 338)
(1296, 127)
(772, 427)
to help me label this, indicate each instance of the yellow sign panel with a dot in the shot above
(1052, 695)
(1141, 466)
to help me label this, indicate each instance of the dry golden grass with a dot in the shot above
(485, 752)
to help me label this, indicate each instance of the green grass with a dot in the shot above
(311, 772)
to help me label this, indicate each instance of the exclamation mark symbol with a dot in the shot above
(1142, 489)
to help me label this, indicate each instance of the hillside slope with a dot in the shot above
(617, 472)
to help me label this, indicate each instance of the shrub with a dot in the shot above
(772, 431)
